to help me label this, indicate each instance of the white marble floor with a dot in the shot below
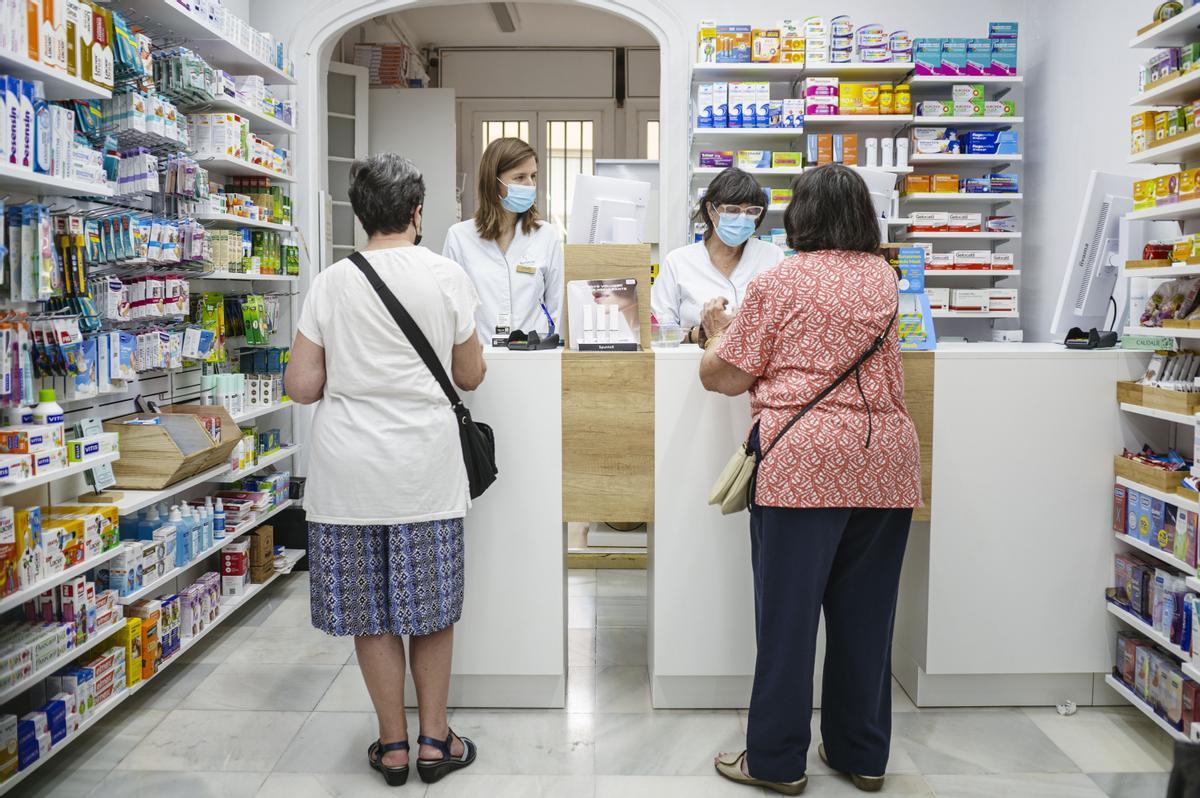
(269, 707)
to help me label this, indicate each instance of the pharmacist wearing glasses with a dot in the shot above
(721, 266)
(514, 259)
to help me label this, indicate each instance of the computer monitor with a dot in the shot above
(1103, 241)
(608, 210)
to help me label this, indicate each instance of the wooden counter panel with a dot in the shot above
(608, 436)
(918, 395)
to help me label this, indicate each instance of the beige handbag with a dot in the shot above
(734, 488)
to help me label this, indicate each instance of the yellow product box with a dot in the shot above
(1182, 250)
(1162, 123)
(72, 538)
(791, 41)
(870, 98)
(129, 637)
(110, 530)
(94, 525)
(781, 196)
(150, 612)
(788, 159)
(1141, 131)
(850, 98)
(706, 42)
(945, 184)
(764, 47)
(1189, 185)
(1166, 189)
(1143, 194)
(918, 184)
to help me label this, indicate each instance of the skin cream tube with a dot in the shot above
(614, 324)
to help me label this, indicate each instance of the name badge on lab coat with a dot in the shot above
(527, 267)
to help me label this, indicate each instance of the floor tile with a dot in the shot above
(977, 741)
(581, 690)
(181, 785)
(621, 611)
(334, 743)
(57, 783)
(348, 693)
(264, 605)
(581, 647)
(908, 786)
(581, 582)
(174, 685)
(199, 740)
(581, 612)
(365, 784)
(625, 647)
(1045, 785)
(281, 645)
(293, 613)
(250, 686)
(533, 743)
(618, 582)
(472, 785)
(707, 786)
(900, 763)
(623, 689)
(1101, 740)
(109, 741)
(219, 644)
(1132, 785)
(664, 743)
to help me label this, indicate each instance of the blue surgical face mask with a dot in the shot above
(734, 230)
(519, 198)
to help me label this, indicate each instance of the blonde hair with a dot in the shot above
(500, 156)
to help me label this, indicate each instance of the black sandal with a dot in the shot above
(395, 777)
(431, 770)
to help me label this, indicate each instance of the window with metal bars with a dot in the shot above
(504, 128)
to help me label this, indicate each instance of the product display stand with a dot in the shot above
(168, 25)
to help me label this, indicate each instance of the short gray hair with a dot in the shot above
(385, 190)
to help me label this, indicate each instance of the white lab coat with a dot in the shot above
(688, 279)
(515, 283)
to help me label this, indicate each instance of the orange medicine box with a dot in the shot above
(150, 612)
(918, 184)
(824, 148)
(850, 149)
(945, 184)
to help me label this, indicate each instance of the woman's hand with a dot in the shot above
(714, 318)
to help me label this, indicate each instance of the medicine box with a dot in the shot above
(754, 159)
(1118, 511)
(1002, 300)
(964, 222)
(787, 159)
(704, 105)
(918, 184)
(720, 104)
(764, 46)
(1003, 261)
(954, 57)
(979, 56)
(972, 258)
(1000, 108)
(939, 298)
(969, 300)
(966, 92)
(1004, 57)
(945, 183)
(734, 43)
(928, 221)
(935, 108)
(792, 114)
(927, 56)
(721, 159)
(738, 99)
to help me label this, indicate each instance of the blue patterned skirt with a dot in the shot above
(405, 579)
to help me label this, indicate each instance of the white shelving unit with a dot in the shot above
(1181, 29)
(1162, 495)
(1144, 708)
(235, 167)
(259, 122)
(1158, 554)
(963, 236)
(1145, 629)
(1180, 211)
(59, 85)
(787, 72)
(257, 278)
(74, 469)
(949, 159)
(960, 197)
(257, 412)
(976, 314)
(950, 80)
(93, 642)
(1177, 91)
(968, 121)
(1165, 332)
(30, 182)
(228, 221)
(996, 273)
(14, 600)
(1166, 272)
(1165, 415)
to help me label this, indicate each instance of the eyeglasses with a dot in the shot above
(753, 211)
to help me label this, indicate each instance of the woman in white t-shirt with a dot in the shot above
(387, 489)
(722, 265)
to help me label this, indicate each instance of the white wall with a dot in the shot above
(1073, 53)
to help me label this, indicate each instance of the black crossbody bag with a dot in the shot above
(477, 439)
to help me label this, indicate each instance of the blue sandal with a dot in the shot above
(395, 777)
(431, 770)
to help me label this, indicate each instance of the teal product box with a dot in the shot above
(927, 56)
(979, 56)
(1004, 57)
(1002, 30)
(954, 57)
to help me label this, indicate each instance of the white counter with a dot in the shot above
(510, 646)
(1002, 598)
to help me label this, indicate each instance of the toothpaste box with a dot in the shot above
(979, 56)
(720, 104)
(927, 56)
(48, 461)
(31, 438)
(954, 57)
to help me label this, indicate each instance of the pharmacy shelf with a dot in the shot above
(789, 170)
(1143, 707)
(134, 500)
(951, 80)
(1181, 149)
(58, 84)
(1134, 622)
(255, 412)
(259, 122)
(1165, 332)
(150, 588)
(9, 488)
(1178, 210)
(12, 177)
(993, 273)
(1180, 90)
(226, 221)
(963, 236)
(263, 278)
(846, 120)
(168, 23)
(921, 158)
(24, 594)
(981, 121)
(1154, 493)
(235, 167)
(1191, 671)
(782, 72)
(976, 314)
(14, 690)
(1177, 31)
(1158, 554)
(1166, 272)
(961, 196)
(1164, 415)
(263, 462)
(228, 606)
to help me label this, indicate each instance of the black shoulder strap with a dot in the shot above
(863, 358)
(408, 327)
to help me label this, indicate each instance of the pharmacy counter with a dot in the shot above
(1002, 598)
(510, 646)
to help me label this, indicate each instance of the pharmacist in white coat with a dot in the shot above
(721, 266)
(514, 258)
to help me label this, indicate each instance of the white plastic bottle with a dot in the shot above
(219, 520)
(47, 411)
(17, 416)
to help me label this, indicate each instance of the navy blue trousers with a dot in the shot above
(847, 561)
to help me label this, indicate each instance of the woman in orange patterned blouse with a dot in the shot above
(834, 493)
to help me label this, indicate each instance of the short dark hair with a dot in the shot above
(831, 208)
(385, 191)
(731, 187)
